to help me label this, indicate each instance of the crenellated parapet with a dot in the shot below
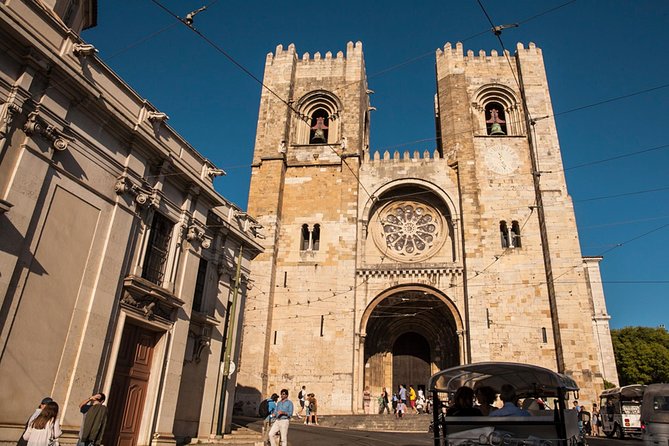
(454, 56)
(353, 53)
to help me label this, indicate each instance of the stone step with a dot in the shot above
(239, 436)
(408, 423)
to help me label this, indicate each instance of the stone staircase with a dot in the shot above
(239, 436)
(385, 422)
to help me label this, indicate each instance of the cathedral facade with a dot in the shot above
(380, 269)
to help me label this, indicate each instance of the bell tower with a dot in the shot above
(313, 130)
(527, 283)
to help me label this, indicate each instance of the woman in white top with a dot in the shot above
(44, 429)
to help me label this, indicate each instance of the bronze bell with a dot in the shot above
(496, 129)
(319, 136)
(319, 130)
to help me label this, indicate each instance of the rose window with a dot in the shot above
(410, 229)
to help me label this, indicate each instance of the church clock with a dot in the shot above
(501, 159)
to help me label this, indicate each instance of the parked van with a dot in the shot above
(620, 411)
(655, 415)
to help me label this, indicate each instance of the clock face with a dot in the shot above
(501, 159)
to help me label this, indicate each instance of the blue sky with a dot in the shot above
(594, 51)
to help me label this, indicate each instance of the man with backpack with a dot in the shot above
(265, 411)
(302, 397)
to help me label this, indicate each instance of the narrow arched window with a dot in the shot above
(515, 235)
(304, 239)
(319, 127)
(316, 237)
(495, 119)
(504, 234)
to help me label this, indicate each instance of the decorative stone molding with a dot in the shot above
(11, 110)
(149, 301)
(84, 50)
(249, 224)
(401, 271)
(36, 125)
(212, 172)
(196, 234)
(141, 195)
(205, 324)
(157, 117)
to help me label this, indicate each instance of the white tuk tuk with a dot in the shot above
(620, 411)
(554, 426)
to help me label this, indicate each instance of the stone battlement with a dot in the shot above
(353, 51)
(405, 156)
(456, 53)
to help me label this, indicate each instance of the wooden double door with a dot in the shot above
(129, 386)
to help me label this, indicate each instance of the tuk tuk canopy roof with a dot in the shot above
(528, 380)
(631, 392)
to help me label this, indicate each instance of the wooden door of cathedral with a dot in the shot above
(129, 386)
(411, 361)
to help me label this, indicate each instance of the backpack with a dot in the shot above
(263, 409)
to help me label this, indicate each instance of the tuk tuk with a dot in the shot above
(620, 411)
(556, 426)
(655, 415)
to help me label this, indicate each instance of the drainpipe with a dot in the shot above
(229, 334)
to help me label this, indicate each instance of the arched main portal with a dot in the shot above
(411, 333)
(411, 360)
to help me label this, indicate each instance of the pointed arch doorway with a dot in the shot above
(411, 333)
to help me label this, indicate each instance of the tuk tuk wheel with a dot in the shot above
(618, 432)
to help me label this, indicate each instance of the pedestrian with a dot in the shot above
(34, 415)
(307, 416)
(401, 408)
(366, 400)
(302, 397)
(44, 429)
(596, 420)
(282, 413)
(383, 401)
(95, 420)
(412, 398)
(402, 393)
(268, 420)
(313, 409)
(394, 402)
(386, 400)
(577, 408)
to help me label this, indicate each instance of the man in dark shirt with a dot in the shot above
(95, 420)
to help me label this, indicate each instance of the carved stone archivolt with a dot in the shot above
(409, 230)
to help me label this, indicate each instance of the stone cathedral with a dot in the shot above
(383, 268)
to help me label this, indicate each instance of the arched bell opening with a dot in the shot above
(410, 334)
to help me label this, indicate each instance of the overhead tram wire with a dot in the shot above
(229, 57)
(430, 53)
(259, 81)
